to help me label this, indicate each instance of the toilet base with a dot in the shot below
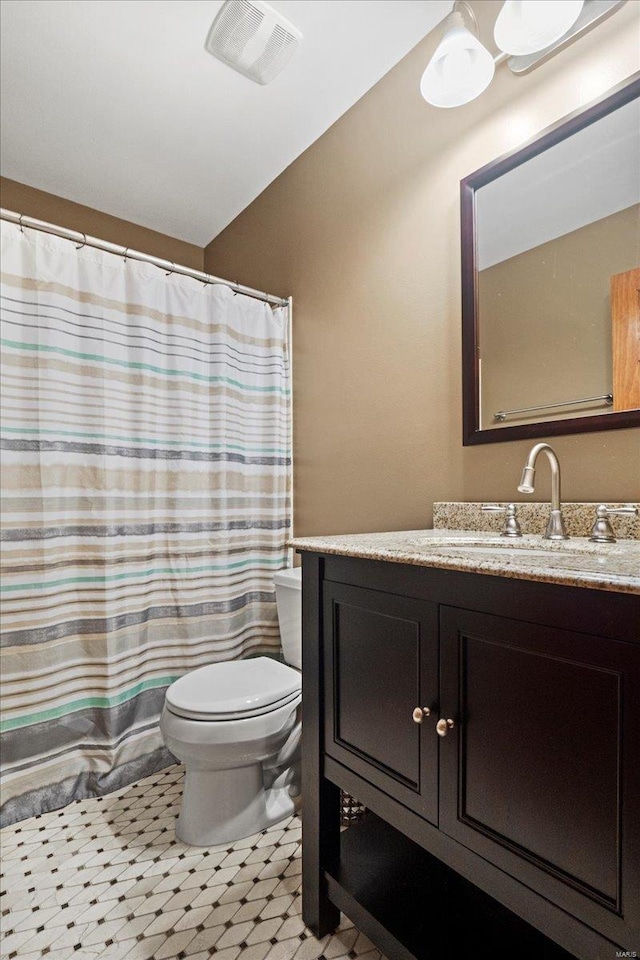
(221, 806)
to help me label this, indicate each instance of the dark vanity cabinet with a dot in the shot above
(368, 719)
(534, 780)
(491, 726)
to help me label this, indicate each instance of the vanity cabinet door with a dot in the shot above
(545, 723)
(381, 664)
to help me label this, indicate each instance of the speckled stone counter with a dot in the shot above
(575, 562)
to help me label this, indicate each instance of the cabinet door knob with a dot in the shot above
(443, 727)
(420, 713)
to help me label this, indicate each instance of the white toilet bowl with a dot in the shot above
(236, 728)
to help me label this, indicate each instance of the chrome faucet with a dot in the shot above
(555, 527)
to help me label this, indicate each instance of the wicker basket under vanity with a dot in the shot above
(351, 810)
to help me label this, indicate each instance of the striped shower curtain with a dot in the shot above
(145, 505)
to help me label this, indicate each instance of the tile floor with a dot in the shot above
(106, 878)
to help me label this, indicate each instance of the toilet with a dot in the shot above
(236, 727)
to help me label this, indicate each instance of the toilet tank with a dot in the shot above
(288, 585)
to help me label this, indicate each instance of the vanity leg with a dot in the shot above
(320, 798)
(320, 850)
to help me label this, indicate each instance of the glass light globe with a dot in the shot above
(459, 71)
(526, 26)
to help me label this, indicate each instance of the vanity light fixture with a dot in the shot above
(527, 32)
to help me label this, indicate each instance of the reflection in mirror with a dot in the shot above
(558, 279)
(551, 280)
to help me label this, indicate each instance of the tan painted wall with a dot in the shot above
(74, 216)
(545, 319)
(363, 230)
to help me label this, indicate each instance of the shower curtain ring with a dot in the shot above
(173, 267)
(83, 244)
(124, 255)
(20, 222)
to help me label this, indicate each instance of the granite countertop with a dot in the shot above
(576, 562)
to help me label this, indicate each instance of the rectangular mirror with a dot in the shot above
(551, 280)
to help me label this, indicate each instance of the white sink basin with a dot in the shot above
(462, 541)
(499, 546)
(496, 551)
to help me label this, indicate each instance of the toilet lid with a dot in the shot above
(234, 689)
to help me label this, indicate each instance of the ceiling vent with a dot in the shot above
(253, 38)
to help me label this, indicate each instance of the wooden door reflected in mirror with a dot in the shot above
(625, 339)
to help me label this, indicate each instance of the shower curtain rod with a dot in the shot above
(129, 254)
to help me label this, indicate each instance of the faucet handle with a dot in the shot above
(511, 524)
(602, 531)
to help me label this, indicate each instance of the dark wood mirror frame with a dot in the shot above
(472, 431)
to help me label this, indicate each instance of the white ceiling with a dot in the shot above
(118, 106)
(584, 178)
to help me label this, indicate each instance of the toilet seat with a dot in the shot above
(234, 690)
(203, 716)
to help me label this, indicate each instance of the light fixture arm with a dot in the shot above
(462, 7)
(466, 11)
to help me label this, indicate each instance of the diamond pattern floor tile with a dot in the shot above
(106, 879)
